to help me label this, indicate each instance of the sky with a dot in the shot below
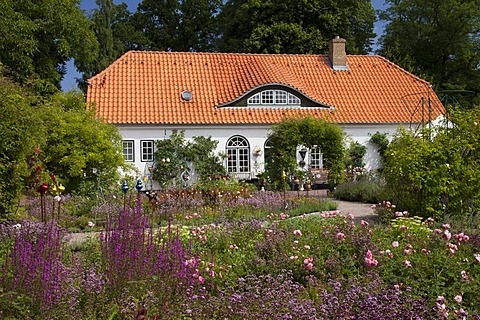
(69, 82)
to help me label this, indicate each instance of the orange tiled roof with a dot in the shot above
(144, 87)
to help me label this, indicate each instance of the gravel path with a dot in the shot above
(360, 210)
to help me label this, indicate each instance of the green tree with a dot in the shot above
(439, 176)
(175, 154)
(173, 25)
(200, 151)
(309, 132)
(115, 31)
(37, 38)
(80, 149)
(19, 131)
(305, 26)
(437, 40)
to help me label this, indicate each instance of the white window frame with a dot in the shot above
(316, 158)
(238, 152)
(274, 98)
(129, 150)
(147, 150)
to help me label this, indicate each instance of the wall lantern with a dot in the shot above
(303, 153)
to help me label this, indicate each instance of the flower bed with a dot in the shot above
(276, 267)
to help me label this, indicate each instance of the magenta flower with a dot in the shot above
(369, 260)
(340, 236)
(447, 235)
(461, 237)
(407, 263)
(364, 223)
(395, 244)
(477, 257)
(297, 232)
(458, 299)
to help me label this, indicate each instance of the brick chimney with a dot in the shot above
(337, 54)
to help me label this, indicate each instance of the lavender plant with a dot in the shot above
(255, 297)
(137, 260)
(350, 299)
(34, 268)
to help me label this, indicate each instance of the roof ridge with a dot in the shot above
(111, 66)
(225, 53)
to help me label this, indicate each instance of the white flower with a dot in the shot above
(91, 224)
(17, 226)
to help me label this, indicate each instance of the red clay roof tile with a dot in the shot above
(144, 87)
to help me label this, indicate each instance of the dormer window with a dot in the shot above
(278, 98)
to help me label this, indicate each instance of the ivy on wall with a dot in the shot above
(309, 132)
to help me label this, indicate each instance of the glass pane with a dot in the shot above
(281, 97)
(267, 97)
(293, 100)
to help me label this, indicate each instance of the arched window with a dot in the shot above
(278, 98)
(238, 152)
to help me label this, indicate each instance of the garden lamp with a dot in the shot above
(125, 187)
(139, 185)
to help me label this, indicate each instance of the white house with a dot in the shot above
(235, 98)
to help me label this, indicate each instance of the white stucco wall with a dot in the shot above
(255, 134)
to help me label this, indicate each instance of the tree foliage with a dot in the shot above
(437, 40)
(115, 31)
(19, 129)
(284, 26)
(439, 176)
(172, 25)
(287, 135)
(79, 148)
(37, 38)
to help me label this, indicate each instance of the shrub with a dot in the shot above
(363, 190)
(436, 172)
